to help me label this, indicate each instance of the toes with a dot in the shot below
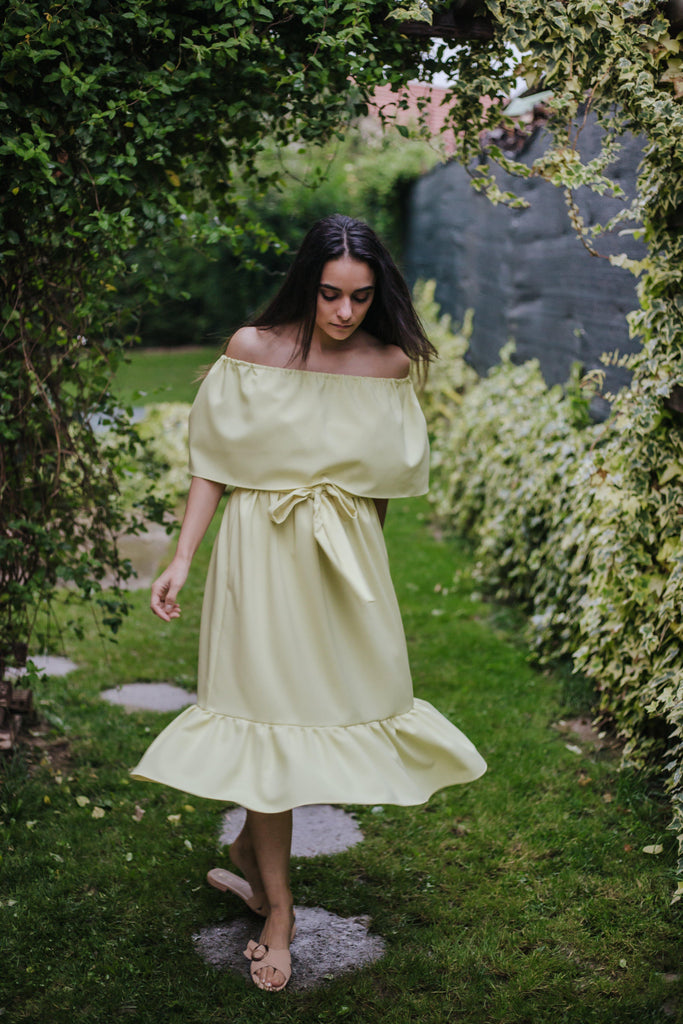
(269, 978)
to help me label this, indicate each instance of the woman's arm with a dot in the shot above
(202, 502)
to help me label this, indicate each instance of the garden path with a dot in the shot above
(326, 945)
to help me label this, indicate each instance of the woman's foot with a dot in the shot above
(242, 855)
(227, 881)
(270, 960)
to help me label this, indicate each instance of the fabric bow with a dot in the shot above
(331, 505)
(255, 950)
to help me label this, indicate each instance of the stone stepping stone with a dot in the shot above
(48, 664)
(325, 946)
(318, 829)
(149, 697)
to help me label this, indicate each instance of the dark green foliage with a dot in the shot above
(120, 122)
(207, 296)
(585, 526)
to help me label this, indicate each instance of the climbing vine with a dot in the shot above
(584, 523)
(122, 123)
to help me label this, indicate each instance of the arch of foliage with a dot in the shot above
(121, 122)
(129, 120)
(584, 523)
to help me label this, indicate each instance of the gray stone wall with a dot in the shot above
(525, 272)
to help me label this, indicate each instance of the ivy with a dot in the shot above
(121, 122)
(583, 524)
(568, 526)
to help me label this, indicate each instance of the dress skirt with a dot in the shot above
(304, 687)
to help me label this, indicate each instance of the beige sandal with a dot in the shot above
(226, 881)
(263, 956)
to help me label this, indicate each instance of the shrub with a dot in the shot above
(581, 524)
(156, 468)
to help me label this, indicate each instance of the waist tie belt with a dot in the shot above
(330, 506)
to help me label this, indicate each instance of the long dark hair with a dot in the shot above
(391, 318)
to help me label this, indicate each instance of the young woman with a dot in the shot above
(304, 688)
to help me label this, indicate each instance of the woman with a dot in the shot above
(304, 688)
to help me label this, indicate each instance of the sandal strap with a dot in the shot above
(255, 950)
(262, 956)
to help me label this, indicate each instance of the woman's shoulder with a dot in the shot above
(397, 362)
(262, 345)
(382, 360)
(244, 344)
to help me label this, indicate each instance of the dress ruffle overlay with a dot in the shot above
(304, 687)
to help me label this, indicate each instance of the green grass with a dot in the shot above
(522, 898)
(162, 375)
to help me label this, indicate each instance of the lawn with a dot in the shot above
(523, 898)
(162, 375)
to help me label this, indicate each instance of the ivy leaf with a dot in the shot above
(412, 10)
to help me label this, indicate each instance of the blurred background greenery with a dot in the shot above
(208, 294)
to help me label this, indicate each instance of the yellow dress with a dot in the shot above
(304, 687)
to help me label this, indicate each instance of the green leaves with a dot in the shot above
(121, 122)
(581, 525)
(569, 519)
(411, 10)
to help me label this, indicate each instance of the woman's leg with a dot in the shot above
(243, 856)
(271, 841)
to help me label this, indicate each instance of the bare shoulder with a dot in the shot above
(262, 345)
(385, 360)
(244, 344)
(397, 363)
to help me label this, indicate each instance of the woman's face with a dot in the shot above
(345, 295)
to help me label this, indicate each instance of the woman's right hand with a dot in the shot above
(165, 590)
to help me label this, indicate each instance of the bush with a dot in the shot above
(581, 524)
(156, 468)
